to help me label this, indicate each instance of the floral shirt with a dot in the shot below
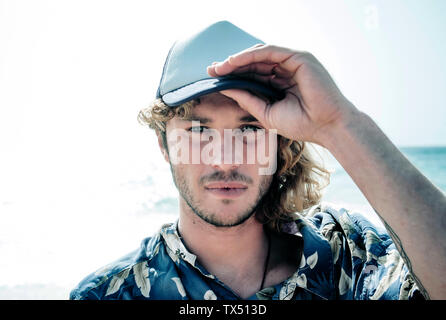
(344, 257)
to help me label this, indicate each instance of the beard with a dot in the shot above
(205, 213)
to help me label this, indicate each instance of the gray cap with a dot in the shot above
(185, 77)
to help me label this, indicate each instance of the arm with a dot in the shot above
(410, 206)
(412, 209)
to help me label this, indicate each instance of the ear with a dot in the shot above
(161, 145)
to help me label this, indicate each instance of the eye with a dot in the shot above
(250, 128)
(197, 129)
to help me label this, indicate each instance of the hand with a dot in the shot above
(313, 105)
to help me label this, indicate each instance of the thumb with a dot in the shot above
(251, 103)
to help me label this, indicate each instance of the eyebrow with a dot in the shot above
(248, 118)
(192, 117)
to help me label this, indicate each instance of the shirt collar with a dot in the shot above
(315, 272)
(176, 249)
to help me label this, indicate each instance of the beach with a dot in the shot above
(48, 244)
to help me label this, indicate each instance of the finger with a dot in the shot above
(281, 83)
(251, 103)
(282, 72)
(269, 79)
(261, 54)
(263, 70)
(210, 70)
(259, 68)
(266, 79)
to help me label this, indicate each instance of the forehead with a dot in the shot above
(216, 106)
(218, 103)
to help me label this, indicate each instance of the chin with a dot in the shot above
(229, 217)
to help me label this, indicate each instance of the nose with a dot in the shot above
(228, 157)
(225, 167)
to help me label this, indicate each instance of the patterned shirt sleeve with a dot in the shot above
(367, 265)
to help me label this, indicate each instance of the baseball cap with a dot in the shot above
(185, 77)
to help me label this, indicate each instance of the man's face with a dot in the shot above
(219, 181)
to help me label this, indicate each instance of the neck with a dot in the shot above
(236, 255)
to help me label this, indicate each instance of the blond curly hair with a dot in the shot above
(296, 184)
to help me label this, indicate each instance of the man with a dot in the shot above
(248, 233)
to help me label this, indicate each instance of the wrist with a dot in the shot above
(339, 132)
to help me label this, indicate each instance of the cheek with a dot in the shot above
(188, 175)
(179, 143)
(265, 153)
(189, 149)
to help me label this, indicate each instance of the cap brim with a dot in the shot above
(206, 86)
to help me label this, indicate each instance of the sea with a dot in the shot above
(48, 245)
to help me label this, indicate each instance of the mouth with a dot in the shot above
(226, 189)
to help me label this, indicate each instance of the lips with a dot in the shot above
(225, 185)
(226, 190)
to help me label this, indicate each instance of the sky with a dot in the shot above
(74, 74)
